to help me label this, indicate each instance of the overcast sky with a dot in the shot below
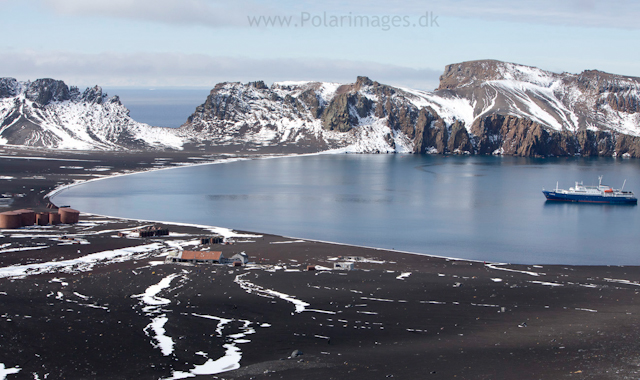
(155, 43)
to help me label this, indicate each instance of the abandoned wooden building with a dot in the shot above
(195, 257)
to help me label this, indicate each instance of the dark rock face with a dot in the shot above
(9, 87)
(351, 104)
(94, 95)
(220, 105)
(627, 144)
(522, 137)
(337, 115)
(459, 141)
(467, 73)
(44, 91)
(259, 85)
(310, 99)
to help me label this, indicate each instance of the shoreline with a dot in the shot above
(80, 301)
(509, 252)
(224, 161)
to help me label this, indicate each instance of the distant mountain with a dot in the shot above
(480, 107)
(47, 113)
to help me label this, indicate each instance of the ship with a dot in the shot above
(592, 194)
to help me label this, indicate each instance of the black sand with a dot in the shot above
(447, 319)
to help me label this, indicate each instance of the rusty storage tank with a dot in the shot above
(42, 218)
(10, 219)
(54, 218)
(28, 216)
(69, 215)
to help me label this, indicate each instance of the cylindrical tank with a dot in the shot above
(42, 218)
(10, 219)
(69, 215)
(54, 218)
(28, 217)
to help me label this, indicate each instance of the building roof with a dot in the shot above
(201, 255)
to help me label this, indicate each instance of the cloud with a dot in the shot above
(580, 13)
(175, 69)
(216, 13)
(184, 12)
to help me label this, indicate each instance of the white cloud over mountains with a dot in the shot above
(176, 69)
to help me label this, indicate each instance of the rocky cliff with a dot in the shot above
(480, 107)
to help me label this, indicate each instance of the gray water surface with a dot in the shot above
(482, 208)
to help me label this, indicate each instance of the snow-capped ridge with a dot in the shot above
(480, 107)
(48, 113)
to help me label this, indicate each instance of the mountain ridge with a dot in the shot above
(479, 107)
(48, 113)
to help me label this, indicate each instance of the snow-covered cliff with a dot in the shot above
(481, 107)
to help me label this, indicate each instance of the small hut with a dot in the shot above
(240, 257)
(345, 265)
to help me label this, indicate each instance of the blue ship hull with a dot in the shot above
(553, 196)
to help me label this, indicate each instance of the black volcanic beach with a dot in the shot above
(94, 300)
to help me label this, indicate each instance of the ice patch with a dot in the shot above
(546, 283)
(150, 295)
(23, 249)
(4, 371)
(625, 282)
(287, 242)
(163, 342)
(150, 298)
(232, 356)
(250, 287)
(377, 299)
(496, 267)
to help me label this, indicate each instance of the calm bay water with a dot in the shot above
(162, 107)
(483, 208)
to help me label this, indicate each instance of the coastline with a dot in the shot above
(76, 308)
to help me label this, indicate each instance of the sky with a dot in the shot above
(198, 43)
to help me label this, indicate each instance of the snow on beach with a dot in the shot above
(159, 318)
(81, 264)
(232, 356)
(158, 309)
(4, 371)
